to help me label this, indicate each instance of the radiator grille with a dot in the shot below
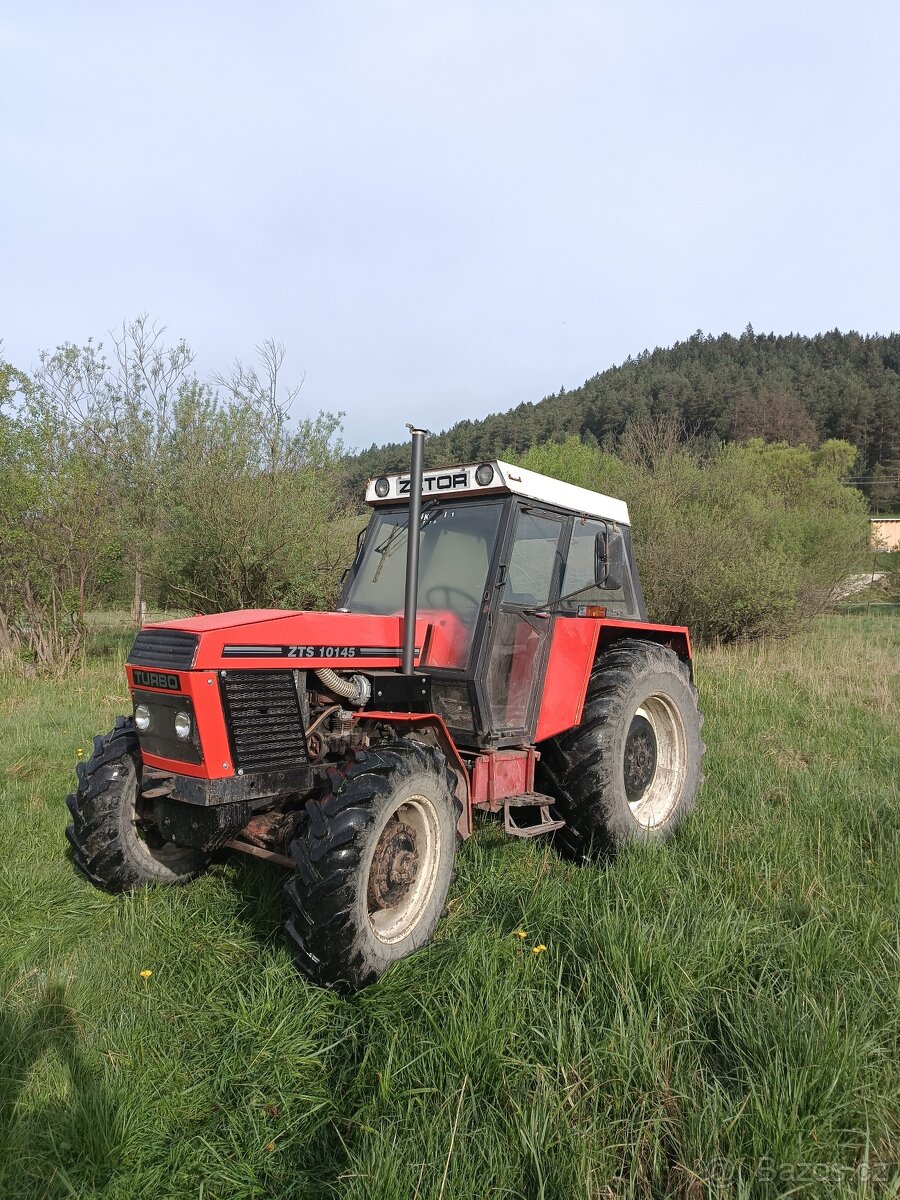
(164, 648)
(264, 719)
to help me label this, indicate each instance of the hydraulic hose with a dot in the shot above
(355, 688)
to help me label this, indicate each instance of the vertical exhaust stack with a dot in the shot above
(411, 597)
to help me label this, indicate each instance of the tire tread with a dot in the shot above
(319, 897)
(95, 832)
(577, 767)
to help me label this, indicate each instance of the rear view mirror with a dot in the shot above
(609, 560)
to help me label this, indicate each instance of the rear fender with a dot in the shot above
(431, 728)
(676, 637)
(576, 644)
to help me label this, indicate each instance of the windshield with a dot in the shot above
(455, 547)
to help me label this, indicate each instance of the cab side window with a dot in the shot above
(579, 573)
(533, 559)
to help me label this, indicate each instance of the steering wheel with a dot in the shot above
(447, 591)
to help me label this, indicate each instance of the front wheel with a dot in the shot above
(112, 844)
(631, 770)
(374, 864)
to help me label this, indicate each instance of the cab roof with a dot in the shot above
(497, 478)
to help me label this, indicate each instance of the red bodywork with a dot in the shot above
(291, 632)
(351, 642)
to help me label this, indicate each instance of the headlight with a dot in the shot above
(382, 487)
(484, 474)
(142, 717)
(182, 725)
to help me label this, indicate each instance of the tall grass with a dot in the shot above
(705, 1018)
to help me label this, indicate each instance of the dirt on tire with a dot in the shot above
(107, 843)
(329, 927)
(584, 768)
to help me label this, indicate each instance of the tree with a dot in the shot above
(52, 549)
(774, 416)
(121, 414)
(212, 501)
(883, 489)
(251, 521)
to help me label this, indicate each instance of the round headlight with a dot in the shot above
(142, 717)
(182, 725)
(484, 474)
(382, 487)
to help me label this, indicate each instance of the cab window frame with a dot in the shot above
(627, 607)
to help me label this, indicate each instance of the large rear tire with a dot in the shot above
(374, 865)
(631, 770)
(111, 845)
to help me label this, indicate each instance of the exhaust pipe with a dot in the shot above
(411, 595)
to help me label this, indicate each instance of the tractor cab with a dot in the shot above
(509, 562)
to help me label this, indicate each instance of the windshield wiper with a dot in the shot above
(393, 539)
(390, 543)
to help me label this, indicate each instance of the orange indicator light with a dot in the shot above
(591, 610)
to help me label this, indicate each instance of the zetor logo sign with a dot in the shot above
(437, 483)
(157, 679)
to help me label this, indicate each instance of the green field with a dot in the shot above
(714, 1018)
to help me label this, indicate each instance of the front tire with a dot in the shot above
(631, 770)
(111, 845)
(374, 865)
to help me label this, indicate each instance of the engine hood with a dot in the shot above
(253, 637)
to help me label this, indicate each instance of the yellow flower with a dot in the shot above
(146, 974)
(521, 934)
(270, 1146)
(539, 948)
(79, 754)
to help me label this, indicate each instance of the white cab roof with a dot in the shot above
(461, 481)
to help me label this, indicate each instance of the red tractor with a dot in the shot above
(500, 661)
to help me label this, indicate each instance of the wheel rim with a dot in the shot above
(655, 761)
(403, 869)
(146, 840)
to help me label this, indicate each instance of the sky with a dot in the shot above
(444, 209)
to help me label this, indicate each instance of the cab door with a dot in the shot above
(518, 643)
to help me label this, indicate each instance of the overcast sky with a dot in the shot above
(445, 208)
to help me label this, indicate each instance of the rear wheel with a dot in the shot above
(631, 770)
(111, 842)
(374, 865)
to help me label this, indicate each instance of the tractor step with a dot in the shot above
(546, 823)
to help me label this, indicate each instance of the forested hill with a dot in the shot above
(792, 388)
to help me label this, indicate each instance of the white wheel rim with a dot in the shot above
(392, 924)
(662, 793)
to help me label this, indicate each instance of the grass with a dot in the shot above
(706, 1017)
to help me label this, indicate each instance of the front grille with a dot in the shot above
(164, 648)
(264, 719)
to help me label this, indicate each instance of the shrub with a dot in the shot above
(53, 551)
(240, 532)
(742, 542)
(133, 474)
